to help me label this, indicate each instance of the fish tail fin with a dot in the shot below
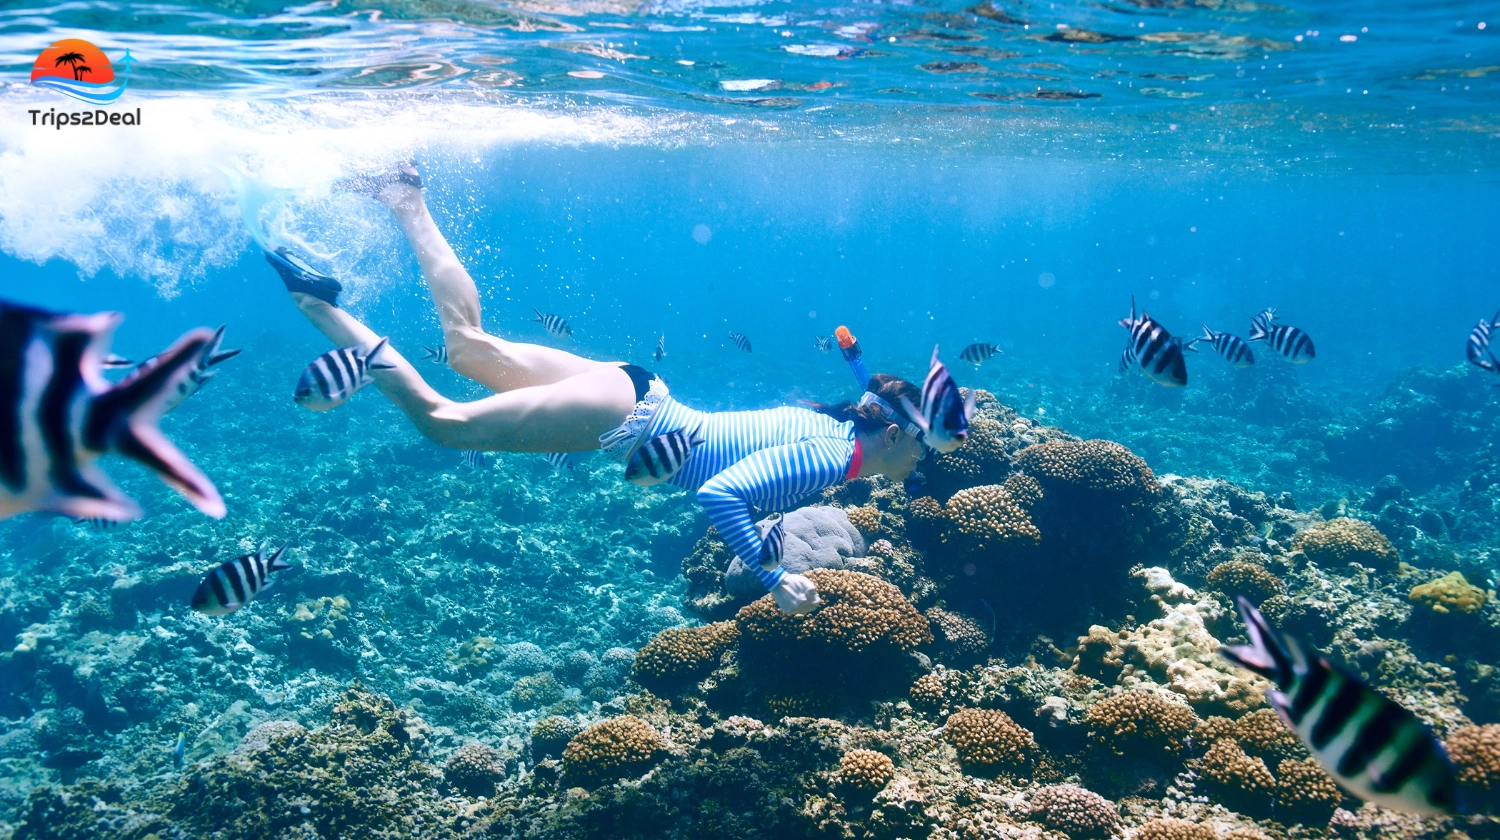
(374, 360)
(1208, 334)
(211, 354)
(124, 420)
(223, 357)
(1267, 654)
(539, 317)
(276, 564)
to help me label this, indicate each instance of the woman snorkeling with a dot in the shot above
(549, 400)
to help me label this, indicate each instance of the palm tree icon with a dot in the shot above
(80, 70)
(71, 59)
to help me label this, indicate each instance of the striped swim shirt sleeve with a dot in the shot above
(770, 479)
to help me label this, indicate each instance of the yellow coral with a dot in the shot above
(1137, 719)
(1451, 593)
(1343, 540)
(867, 519)
(1305, 792)
(681, 655)
(987, 517)
(981, 460)
(1475, 751)
(610, 750)
(866, 770)
(1263, 733)
(860, 612)
(987, 738)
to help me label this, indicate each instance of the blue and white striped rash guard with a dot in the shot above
(771, 459)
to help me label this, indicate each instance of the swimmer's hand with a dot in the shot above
(796, 595)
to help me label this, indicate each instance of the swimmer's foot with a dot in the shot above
(389, 186)
(297, 277)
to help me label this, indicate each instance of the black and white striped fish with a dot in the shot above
(1233, 348)
(1293, 344)
(233, 584)
(823, 343)
(1369, 743)
(472, 458)
(661, 349)
(979, 352)
(58, 414)
(739, 340)
(560, 460)
(437, 355)
(944, 414)
(1478, 351)
(336, 375)
(659, 458)
(1156, 352)
(199, 373)
(553, 324)
(772, 541)
(99, 524)
(112, 361)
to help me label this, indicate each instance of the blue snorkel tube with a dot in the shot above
(854, 355)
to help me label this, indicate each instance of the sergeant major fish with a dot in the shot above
(1293, 344)
(58, 414)
(472, 458)
(233, 584)
(560, 460)
(199, 373)
(1234, 350)
(979, 352)
(1478, 350)
(1155, 351)
(944, 413)
(437, 355)
(739, 340)
(823, 343)
(553, 324)
(1369, 743)
(659, 458)
(336, 375)
(661, 349)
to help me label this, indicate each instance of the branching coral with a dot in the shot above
(1341, 541)
(867, 519)
(928, 692)
(988, 739)
(610, 750)
(986, 518)
(681, 655)
(866, 770)
(1100, 466)
(1137, 720)
(474, 769)
(1240, 781)
(861, 612)
(1242, 577)
(1262, 733)
(1451, 594)
(1077, 812)
(1305, 793)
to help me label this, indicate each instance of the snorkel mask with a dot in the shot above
(854, 355)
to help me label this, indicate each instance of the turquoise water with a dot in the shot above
(925, 173)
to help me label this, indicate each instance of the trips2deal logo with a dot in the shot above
(74, 67)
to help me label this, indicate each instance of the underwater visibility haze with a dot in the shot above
(1173, 567)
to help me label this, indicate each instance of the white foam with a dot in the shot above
(149, 201)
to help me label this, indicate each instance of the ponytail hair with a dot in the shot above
(868, 418)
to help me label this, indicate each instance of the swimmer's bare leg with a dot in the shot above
(493, 362)
(564, 416)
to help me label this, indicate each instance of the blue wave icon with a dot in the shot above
(94, 93)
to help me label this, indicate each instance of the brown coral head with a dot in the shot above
(679, 656)
(1093, 466)
(987, 518)
(866, 770)
(1242, 577)
(1451, 595)
(610, 750)
(1475, 751)
(1134, 720)
(987, 739)
(1341, 541)
(1170, 828)
(861, 613)
(1077, 812)
(474, 769)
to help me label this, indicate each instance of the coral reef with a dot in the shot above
(960, 639)
(1171, 828)
(535, 691)
(1449, 594)
(680, 655)
(1343, 540)
(988, 739)
(1242, 577)
(550, 735)
(1136, 720)
(815, 538)
(474, 769)
(609, 750)
(866, 770)
(1475, 751)
(985, 518)
(1241, 781)
(1074, 811)
(1305, 793)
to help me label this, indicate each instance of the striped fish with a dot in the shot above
(772, 541)
(659, 458)
(661, 349)
(233, 584)
(111, 361)
(472, 458)
(1156, 352)
(823, 343)
(979, 352)
(1234, 350)
(739, 340)
(99, 524)
(1479, 351)
(1293, 344)
(553, 324)
(336, 375)
(560, 460)
(944, 414)
(199, 373)
(437, 355)
(58, 414)
(1369, 743)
